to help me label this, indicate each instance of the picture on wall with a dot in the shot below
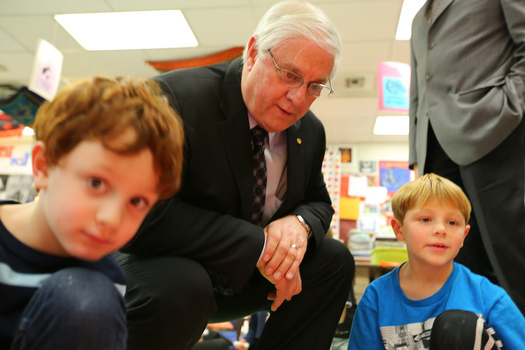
(346, 155)
(393, 174)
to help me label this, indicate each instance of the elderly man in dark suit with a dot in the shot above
(466, 123)
(237, 240)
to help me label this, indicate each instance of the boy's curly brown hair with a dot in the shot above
(102, 109)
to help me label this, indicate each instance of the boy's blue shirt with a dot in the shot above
(23, 269)
(386, 316)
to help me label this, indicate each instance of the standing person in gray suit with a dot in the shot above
(466, 123)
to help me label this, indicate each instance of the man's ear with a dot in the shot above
(39, 163)
(251, 53)
(397, 226)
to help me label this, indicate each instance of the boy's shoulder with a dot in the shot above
(387, 283)
(465, 275)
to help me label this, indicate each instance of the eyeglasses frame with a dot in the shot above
(302, 79)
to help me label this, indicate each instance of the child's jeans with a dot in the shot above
(75, 308)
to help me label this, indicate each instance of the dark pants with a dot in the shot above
(171, 299)
(460, 330)
(74, 308)
(495, 186)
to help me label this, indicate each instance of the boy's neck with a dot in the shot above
(421, 282)
(26, 223)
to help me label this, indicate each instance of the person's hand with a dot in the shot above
(284, 289)
(286, 242)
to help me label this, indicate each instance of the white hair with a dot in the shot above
(291, 20)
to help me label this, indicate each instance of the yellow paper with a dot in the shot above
(349, 208)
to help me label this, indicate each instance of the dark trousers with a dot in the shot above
(495, 185)
(171, 299)
(75, 308)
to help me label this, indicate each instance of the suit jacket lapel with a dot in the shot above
(234, 131)
(442, 6)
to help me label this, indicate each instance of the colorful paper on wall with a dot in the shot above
(349, 208)
(358, 186)
(332, 177)
(393, 174)
(393, 86)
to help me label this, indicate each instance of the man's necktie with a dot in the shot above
(259, 173)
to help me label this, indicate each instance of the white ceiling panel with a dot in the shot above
(9, 44)
(28, 29)
(126, 5)
(221, 26)
(24, 7)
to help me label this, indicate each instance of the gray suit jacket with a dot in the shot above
(468, 77)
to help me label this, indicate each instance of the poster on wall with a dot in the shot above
(367, 166)
(47, 69)
(346, 155)
(393, 174)
(393, 85)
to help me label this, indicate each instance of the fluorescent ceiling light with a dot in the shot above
(397, 125)
(129, 30)
(409, 10)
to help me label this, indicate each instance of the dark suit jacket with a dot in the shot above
(209, 220)
(468, 77)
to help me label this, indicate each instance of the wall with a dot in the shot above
(372, 152)
(356, 162)
(16, 180)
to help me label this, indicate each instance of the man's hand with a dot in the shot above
(286, 242)
(284, 289)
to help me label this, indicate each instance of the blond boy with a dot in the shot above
(431, 302)
(106, 151)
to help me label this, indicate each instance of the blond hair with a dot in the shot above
(102, 109)
(427, 188)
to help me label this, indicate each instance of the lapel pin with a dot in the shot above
(299, 141)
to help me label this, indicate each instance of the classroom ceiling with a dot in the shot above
(367, 27)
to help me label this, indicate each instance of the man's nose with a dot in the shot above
(298, 94)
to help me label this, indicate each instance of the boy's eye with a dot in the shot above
(452, 223)
(139, 203)
(95, 183)
(425, 219)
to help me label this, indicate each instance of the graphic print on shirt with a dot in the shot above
(413, 336)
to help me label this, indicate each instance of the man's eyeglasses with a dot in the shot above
(294, 80)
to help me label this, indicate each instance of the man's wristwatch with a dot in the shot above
(304, 224)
